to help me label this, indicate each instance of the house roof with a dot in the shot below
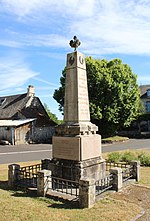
(22, 106)
(143, 90)
(8, 123)
(10, 105)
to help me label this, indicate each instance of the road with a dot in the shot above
(24, 153)
(32, 152)
(127, 145)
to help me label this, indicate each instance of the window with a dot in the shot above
(148, 93)
(148, 106)
(2, 100)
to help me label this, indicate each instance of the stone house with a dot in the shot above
(145, 96)
(16, 131)
(28, 116)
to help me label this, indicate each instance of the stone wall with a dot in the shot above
(43, 134)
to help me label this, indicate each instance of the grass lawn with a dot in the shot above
(22, 206)
(114, 139)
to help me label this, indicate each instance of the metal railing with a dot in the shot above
(122, 165)
(33, 169)
(103, 184)
(126, 169)
(26, 179)
(127, 174)
(27, 176)
(62, 185)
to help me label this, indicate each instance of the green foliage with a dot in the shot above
(128, 157)
(60, 93)
(51, 115)
(144, 159)
(114, 157)
(113, 94)
(114, 139)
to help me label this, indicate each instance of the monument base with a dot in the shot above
(77, 148)
(93, 168)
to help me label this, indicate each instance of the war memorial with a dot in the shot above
(76, 143)
(77, 167)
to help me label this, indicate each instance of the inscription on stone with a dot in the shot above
(66, 148)
(83, 96)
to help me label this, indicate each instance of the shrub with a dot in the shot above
(114, 157)
(144, 159)
(128, 156)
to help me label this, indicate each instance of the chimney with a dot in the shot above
(30, 91)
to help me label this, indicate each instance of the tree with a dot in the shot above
(51, 115)
(113, 94)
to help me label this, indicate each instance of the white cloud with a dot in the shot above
(105, 27)
(46, 82)
(32, 40)
(14, 73)
(22, 8)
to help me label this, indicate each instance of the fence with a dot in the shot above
(103, 184)
(46, 183)
(65, 186)
(112, 164)
(127, 169)
(127, 174)
(27, 176)
(86, 190)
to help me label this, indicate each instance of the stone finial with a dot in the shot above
(75, 43)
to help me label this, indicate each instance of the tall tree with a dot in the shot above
(113, 94)
(51, 115)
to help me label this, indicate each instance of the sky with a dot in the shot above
(35, 35)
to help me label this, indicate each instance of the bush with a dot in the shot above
(144, 159)
(128, 156)
(114, 157)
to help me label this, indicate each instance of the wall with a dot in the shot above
(23, 134)
(43, 134)
(144, 101)
(6, 134)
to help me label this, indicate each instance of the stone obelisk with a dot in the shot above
(76, 142)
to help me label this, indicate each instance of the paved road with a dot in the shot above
(127, 145)
(32, 152)
(24, 153)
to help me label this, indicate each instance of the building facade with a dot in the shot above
(27, 107)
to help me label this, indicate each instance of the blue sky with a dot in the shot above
(34, 36)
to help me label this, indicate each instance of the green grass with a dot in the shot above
(114, 139)
(22, 206)
(15, 206)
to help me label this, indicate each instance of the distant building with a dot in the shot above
(23, 119)
(145, 96)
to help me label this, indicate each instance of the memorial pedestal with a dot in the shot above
(93, 168)
(78, 157)
(76, 146)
